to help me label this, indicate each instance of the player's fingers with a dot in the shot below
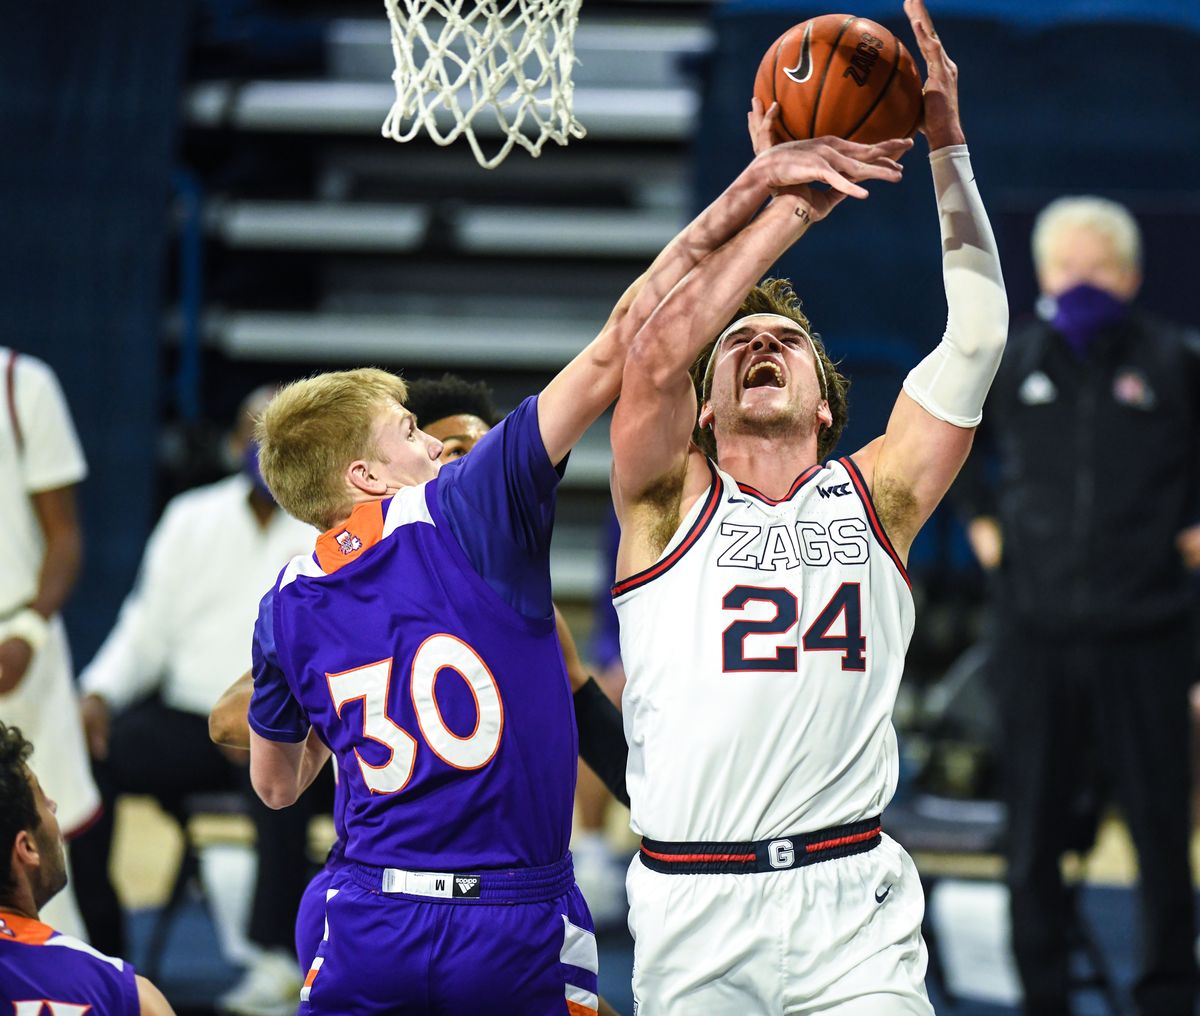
(922, 26)
(857, 169)
(838, 182)
(893, 148)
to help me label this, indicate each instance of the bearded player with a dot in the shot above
(765, 613)
(418, 644)
(42, 970)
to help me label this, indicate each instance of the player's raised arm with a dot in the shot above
(929, 434)
(590, 382)
(653, 422)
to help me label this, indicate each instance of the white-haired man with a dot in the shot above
(1095, 419)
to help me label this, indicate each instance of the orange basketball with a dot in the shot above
(840, 75)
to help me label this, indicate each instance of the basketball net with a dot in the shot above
(510, 60)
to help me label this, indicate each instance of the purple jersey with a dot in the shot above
(43, 973)
(419, 641)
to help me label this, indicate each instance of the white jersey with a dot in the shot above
(763, 652)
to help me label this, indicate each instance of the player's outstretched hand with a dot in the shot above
(763, 124)
(792, 167)
(940, 122)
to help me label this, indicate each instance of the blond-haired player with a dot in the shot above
(765, 614)
(418, 644)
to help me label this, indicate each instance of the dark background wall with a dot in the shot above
(88, 108)
(1057, 98)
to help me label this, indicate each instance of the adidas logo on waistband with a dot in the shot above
(466, 888)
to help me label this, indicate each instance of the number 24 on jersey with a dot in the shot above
(845, 604)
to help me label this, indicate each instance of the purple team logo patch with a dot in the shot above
(347, 542)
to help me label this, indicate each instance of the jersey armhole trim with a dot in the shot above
(698, 527)
(864, 495)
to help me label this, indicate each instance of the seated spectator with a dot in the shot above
(181, 632)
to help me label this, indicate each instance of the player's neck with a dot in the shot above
(768, 464)
(20, 903)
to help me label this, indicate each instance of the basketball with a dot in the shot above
(841, 75)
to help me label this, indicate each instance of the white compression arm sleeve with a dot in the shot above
(952, 382)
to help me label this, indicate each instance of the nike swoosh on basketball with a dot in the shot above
(881, 896)
(803, 69)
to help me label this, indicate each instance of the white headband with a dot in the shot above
(778, 317)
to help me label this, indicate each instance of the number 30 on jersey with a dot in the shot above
(846, 603)
(370, 685)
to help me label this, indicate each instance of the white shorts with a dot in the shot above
(807, 940)
(45, 706)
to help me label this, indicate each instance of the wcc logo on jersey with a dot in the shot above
(347, 542)
(837, 490)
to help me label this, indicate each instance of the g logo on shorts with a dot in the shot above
(781, 853)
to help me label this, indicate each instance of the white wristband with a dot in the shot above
(29, 626)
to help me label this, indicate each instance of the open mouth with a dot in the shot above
(764, 374)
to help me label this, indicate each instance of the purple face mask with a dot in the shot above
(253, 473)
(1082, 312)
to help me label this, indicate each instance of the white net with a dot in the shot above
(499, 67)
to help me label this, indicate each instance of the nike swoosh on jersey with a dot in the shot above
(803, 69)
(881, 896)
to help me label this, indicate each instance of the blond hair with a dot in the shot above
(776, 296)
(1108, 218)
(313, 429)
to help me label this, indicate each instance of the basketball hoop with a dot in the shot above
(457, 60)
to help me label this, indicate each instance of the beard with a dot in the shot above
(794, 419)
(52, 875)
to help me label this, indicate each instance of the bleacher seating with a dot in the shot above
(412, 256)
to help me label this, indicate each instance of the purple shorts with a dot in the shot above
(509, 943)
(310, 917)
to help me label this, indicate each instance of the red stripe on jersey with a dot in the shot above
(706, 515)
(864, 495)
(842, 841)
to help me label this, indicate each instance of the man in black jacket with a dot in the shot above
(1090, 531)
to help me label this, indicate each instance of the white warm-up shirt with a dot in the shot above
(49, 457)
(187, 625)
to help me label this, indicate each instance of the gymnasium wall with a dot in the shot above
(88, 100)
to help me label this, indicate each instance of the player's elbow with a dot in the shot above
(274, 789)
(653, 361)
(978, 319)
(274, 796)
